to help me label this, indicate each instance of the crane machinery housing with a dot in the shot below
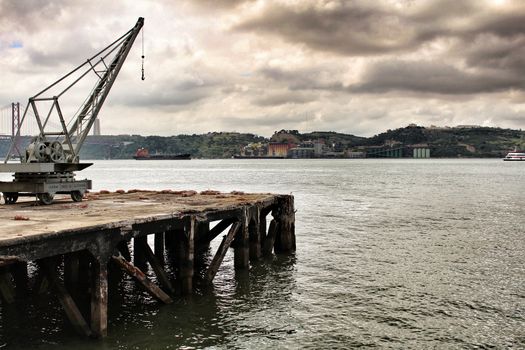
(48, 163)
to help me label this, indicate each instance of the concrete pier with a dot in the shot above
(81, 243)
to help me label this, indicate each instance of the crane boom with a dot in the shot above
(90, 109)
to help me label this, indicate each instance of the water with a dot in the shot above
(390, 254)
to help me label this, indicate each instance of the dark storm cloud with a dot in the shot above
(432, 77)
(348, 29)
(482, 48)
(490, 52)
(508, 24)
(366, 28)
(401, 75)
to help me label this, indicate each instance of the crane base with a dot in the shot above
(44, 186)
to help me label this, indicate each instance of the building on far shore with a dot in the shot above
(279, 149)
(355, 154)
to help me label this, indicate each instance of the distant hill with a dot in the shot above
(455, 142)
(331, 137)
(210, 145)
(443, 142)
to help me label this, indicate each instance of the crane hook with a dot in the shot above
(143, 77)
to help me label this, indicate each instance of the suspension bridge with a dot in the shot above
(10, 119)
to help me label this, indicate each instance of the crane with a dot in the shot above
(48, 163)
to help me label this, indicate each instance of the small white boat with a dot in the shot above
(516, 155)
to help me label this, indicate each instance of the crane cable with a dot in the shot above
(143, 77)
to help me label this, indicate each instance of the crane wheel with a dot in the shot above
(45, 198)
(10, 197)
(77, 196)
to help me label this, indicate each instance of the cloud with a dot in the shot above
(386, 76)
(165, 93)
(506, 55)
(29, 15)
(432, 77)
(227, 4)
(313, 78)
(71, 48)
(363, 28)
(353, 28)
(272, 121)
(281, 98)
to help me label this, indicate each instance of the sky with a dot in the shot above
(358, 67)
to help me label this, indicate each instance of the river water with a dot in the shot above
(402, 254)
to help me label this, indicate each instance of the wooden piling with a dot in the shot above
(284, 214)
(254, 235)
(186, 250)
(202, 231)
(242, 244)
(99, 298)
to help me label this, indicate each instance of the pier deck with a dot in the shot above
(73, 243)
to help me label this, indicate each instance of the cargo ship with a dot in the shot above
(143, 154)
(237, 156)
